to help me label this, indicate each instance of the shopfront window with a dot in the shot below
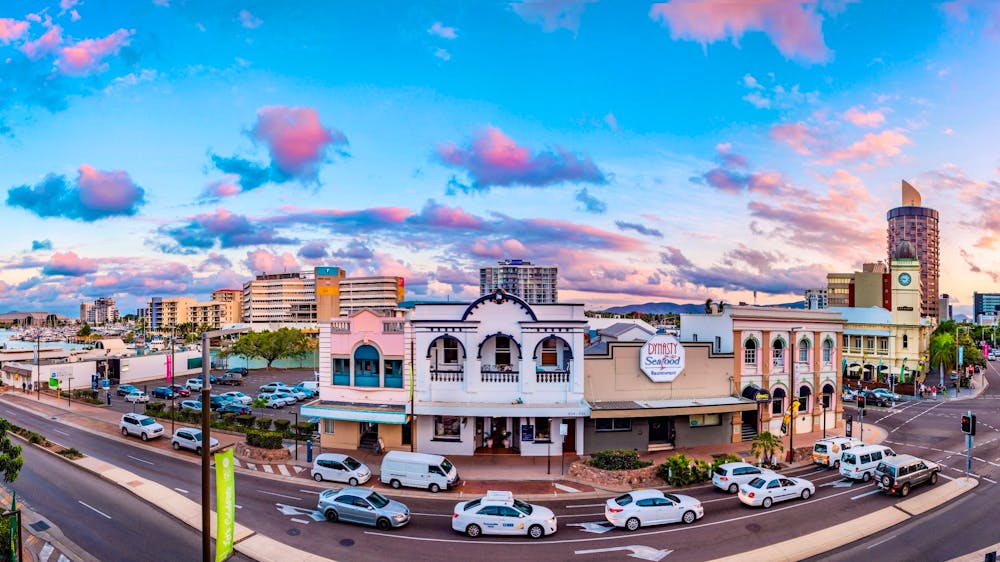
(447, 428)
(543, 429)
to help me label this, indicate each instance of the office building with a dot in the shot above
(280, 298)
(816, 299)
(869, 287)
(918, 225)
(944, 307)
(339, 296)
(838, 289)
(984, 304)
(165, 313)
(536, 284)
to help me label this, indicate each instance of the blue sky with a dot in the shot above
(675, 151)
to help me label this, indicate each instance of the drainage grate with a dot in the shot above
(294, 532)
(39, 526)
(346, 542)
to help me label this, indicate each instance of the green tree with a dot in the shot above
(708, 306)
(270, 346)
(943, 350)
(84, 331)
(260, 404)
(764, 446)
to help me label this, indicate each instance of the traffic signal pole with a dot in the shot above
(968, 446)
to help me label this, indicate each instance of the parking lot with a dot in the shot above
(249, 386)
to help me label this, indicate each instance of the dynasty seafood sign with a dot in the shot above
(662, 358)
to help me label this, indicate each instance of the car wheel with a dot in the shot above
(473, 531)
(934, 478)
(887, 482)
(536, 531)
(395, 484)
(733, 488)
(689, 517)
(905, 491)
(836, 465)
(125, 432)
(383, 524)
(633, 524)
(144, 437)
(318, 477)
(353, 481)
(767, 503)
(331, 515)
(806, 493)
(434, 488)
(176, 445)
(866, 477)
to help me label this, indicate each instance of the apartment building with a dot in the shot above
(226, 307)
(536, 284)
(99, 311)
(339, 296)
(164, 313)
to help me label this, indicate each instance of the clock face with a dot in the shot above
(904, 279)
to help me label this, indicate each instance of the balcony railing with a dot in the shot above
(447, 375)
(552, 376)
(499, 373)
(340, 326)
(392, 327)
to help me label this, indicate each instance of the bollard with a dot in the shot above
(309, 451)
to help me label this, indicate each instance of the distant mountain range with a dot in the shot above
(674, 308)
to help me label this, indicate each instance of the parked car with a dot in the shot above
(241, 370)
(190, 438)
(873, 399)
(309, 385)
(340, 468)
(766, 490)
(271, 401)
(216, 401)
(136, 396)
(298, 394)
(860, 462)
(237, 396)
(498, 513)
(306, 391)
(195, 385)
(191, 406)
(642, 508)
(234, 408)
(230, 378)
(887, 394)
(896, 475)
(180, 390)
(124, 389)
(420, 470)
(141, 425)
(162, 392)
(849, 394)
(271, 386)
(361, 505)
(211, 377)
(731, 475)
(288, 398)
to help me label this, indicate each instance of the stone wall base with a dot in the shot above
(266, 456)
(615, 479)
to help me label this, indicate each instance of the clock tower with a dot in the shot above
(905, 270)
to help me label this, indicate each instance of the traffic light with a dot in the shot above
(861, 402)
(969, 424)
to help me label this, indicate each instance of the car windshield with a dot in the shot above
(820, 447)
(523, 507)
(196, 436)
(446, 466)
(848, 458)
(672, 498)
(757, 483)
(720, 471)
(623, 500)
(352, 464)
(147, 421)
(378, 500)
(473, 503)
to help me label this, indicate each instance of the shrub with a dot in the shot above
(724, 459)
(245, 420)
(677, 471)
(71, 453)
(229, 417)
(152, 408)
(281, 424)
(264, 439)
(305, 429)
(263, 423)
(617, 459)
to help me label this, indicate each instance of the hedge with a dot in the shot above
(617, 459)
(679, 470)
(264, 439)
(281, 424)
(263, 423)
(245, 420)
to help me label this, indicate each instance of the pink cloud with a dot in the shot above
(107, 192)
(12, 30)
(801, 138)
(877, 147)
(552, 14)
(67, 4)
(250, 21)
(795, 28)
(443, 31)
(494, 159)
(296, 139)
(861, 118)
(86, 57)
(47, 44)
(262, 261)
(222, 188)
(451, 217)
(69, 264)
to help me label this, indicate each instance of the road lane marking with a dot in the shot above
(308, 491)
(268, 469)
(238, 506)
(182, 490)
(865, 494)
(881, 541)
(283, 470)
(46, 551)
(297, 520)
(893, 430)
(593, 504)
(93, 508)
(138, 459)
(565, 488)
(62, 432)
(279, 495)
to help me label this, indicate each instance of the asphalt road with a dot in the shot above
(928, 429)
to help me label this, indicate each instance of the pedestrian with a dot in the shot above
(934, 392)
(379, 445)
(24, 386)
(29, 387)
(109, 396)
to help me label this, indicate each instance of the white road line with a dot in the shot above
(945, 476)
(268, 469)
(94, 508)
(865, 494)
(585, 505)
(182, 490)
(138, 459)
(62, 432)
(238, 506)
(251, 466)
(308, 491)
(278, 495)
(283, 470)
(565, 488)
(881, 541)
(990, 480)
(893, 430)
(62, 558)
(303, 521)
(46, 551)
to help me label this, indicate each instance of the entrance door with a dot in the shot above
(369, 427)
(569, 442)
(499, 427)
(661, 430)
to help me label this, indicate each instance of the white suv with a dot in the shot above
(732, 475)
(194, 385)
(143, 426)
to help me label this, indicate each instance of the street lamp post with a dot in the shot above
(548, 451)
(173, 369)
(794, 393)
(38, 365)
(295, 434)
(206, 437)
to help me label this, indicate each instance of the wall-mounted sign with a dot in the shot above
(905, 308)
(662, 358)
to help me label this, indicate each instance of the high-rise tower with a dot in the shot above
(918, 225)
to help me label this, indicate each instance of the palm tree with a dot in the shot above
(943, 350)
(708, 306)
(764, 445)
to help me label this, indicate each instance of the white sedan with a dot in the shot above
(238, 397)
(500, 514)
(641, 508)
(775, 488)
(271, 401)
(137, 396)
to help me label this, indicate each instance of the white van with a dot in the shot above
(859, 463)
(420, 470)
(826, 452)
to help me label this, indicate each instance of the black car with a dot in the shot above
(216, 401)
(234, 408)
(872, 399)
(241, 370)
(163, 392)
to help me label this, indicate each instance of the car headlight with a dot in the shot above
(400, 516)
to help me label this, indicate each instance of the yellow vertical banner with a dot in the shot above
(225, 511)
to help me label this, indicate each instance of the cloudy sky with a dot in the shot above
(671, 151)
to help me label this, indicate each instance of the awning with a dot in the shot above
(355, 411)
(504, 409)
(883, 368)
(756, 393)
(854, 368)
(656, 408)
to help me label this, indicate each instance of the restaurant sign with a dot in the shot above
(662, 358)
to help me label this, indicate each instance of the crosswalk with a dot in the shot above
(282, 469)
(46, 553)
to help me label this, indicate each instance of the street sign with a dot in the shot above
(848, 428)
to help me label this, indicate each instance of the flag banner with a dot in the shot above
(15, 520)
(170, 368)
(225, 511)
(961, 354)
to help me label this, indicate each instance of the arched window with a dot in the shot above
(805, 398)
(827, 350)
(778, 353)
(828, 396)
(803, 350)
(778, 401)
(906, 341)
(366, 366)
(750, 351)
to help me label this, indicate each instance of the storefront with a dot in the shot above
(344, 425)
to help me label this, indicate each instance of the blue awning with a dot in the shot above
(355, 411)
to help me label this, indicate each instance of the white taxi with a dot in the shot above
(498, 513)
(641, 508)
(775, 488)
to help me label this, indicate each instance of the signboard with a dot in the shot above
(563, 429)
(527, 432)
(170, 368)
(225, 494)
(848, 429)
(662, 358)
(961, 354)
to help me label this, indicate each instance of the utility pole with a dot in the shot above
(170, 380)
(38, 364)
